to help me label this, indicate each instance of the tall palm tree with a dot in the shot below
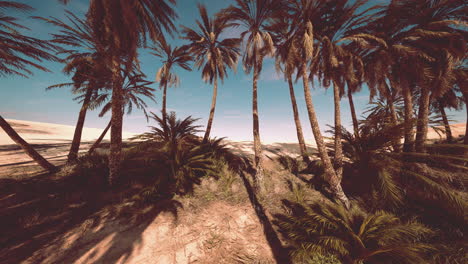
(448, 100)
(286, 60)
(212, 54)
(461, 84)
(84, 60)
(19, 53)
(252, 16)
(177, 56)
(124, 26)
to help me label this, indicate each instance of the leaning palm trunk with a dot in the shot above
(26, 147)
(353, 114)
(99, 140)
(300, 135)
(448, 130)
(258, 160)
(212, 110)
(338, 131)
(408, 145)
(423, 120)
(116, 123)
(75, 146)
(329, 172)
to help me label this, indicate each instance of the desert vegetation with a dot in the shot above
(377, 192)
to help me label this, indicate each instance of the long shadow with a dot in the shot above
(280, 253)
(39, 211)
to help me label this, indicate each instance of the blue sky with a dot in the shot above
(26, 98)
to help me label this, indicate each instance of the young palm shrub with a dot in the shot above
(353, 236)
(173, 151)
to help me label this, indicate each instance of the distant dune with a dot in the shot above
(43, 133)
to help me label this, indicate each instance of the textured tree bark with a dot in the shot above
(338, 132)
(330, 174)
(258, 160)
(163, 110)
(30, 151)
(75, 146)
(423, 120)
(408, 145)
(212, 111)
(297, 121)
(353, 114)
(448, 130)
(394, 120)
(116, 123)
(101, 137)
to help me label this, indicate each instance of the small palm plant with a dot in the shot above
(173, 142)
(353, 236)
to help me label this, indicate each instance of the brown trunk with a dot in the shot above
(212, 110)
(101, 137)
(259, 181)
(75, 146)
(408, 145)
(353, 114)
(329, 172)
(394, 120)
(116, 123)
(338, 132)
(300, 135)
(423, 120)
(25, 146)
(448, 130)
(465, 140)
(163, 111)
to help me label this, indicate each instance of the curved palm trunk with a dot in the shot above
(26, 147)
(75, 146)
(300, 135)
(212, 111)
(408, 145)
(423, 120)
(99, 140)
(338, 132)
(465, 140)
(330, 174)
(258, 161)
(448, 130)
(116, 123)
(353, 114)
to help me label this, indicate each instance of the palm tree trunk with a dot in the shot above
(338, 131)
(300, 135)
(25, 146)
(116, 123)
(330, 174)
(353, 114)
(163, 111)
(75, 146)
(408, 145)
(394, 120)
(101, 137)
(448, 130)
(465, 140)
(423, 120)
(258, 161)
(212, 110)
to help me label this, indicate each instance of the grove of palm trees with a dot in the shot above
(380, 189)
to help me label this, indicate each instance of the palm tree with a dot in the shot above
(286, 61)
(253, 16)
(461, 84)
(448, 100)
(212, 54)
(177, 56)
(354, 236)
(124, 26)
(84, 56)
(19, 54)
